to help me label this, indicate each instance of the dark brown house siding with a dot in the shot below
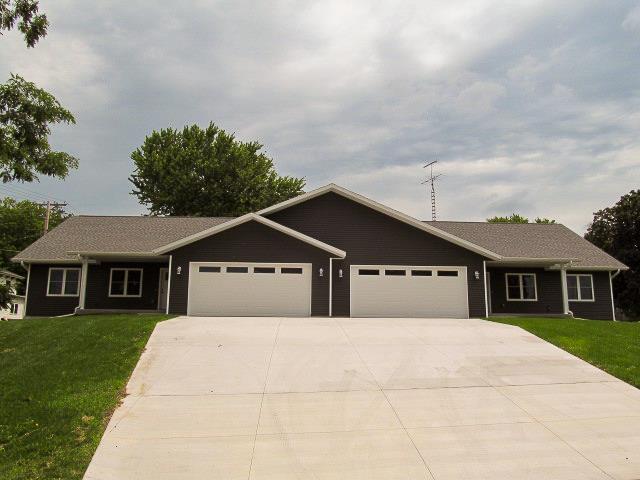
(370, 237)
(601, 308)
(548, 285)
(38, 303)
(249, 242)
(549, 301)
(98, 287)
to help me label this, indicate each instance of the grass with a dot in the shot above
(612, 346)
(60, 380)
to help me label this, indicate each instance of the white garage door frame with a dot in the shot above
(307, 274)
(433, 268)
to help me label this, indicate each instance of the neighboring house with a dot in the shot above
(16, 308)
(326, 252)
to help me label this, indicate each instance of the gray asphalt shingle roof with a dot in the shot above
(111, 234)
(531, 240)
(128, 234)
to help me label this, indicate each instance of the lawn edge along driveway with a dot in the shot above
(60, 381)
(611, 346)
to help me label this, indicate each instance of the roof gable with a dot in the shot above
(409, 220)
(248, 218)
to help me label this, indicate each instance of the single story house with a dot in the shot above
(328, 252)
(15, 310)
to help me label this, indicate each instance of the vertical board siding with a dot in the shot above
(371, 237)
(548, 285)
(600, 309)
(250, 242)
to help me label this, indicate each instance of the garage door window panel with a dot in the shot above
(125, 282)
(395, 273)
(237, 269)
(580, 287)
(368, 271)
(521, 287)
(264, 270)
(292, 271)
(421, 273)
(447, 273)
(209, 269)
(63, 282)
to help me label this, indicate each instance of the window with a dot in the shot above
(63, 282)
(368, 271)
(237, 269)
(125, 282)
(209, 269)
(395, 273)
(14, 309)
(291, 270)
(264, 270)
(447, 273)
(521, 287)
(580, 287)
(421, 273)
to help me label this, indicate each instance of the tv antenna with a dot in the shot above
(430, 182)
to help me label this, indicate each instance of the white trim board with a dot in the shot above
(403, 217)
(247, 218)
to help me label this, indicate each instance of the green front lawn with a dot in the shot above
(611, 346)
(60, 379)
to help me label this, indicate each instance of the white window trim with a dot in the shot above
(126, 281)
(580, 299)
(520, 275)
(64, 282)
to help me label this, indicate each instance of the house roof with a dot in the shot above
(113, 234)
(532, 241)
(7, 273)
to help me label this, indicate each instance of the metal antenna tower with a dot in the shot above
(431, 179)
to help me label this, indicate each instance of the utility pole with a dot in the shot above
(49, 205)
(431, 181)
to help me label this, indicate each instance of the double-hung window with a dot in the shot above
(521, 287)
(125, 282)
(63, 282)
(580, 287)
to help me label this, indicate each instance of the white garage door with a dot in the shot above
(249, 289)
(408, 291)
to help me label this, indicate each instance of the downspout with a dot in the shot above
(486, 294)
(26, 291)
(169, 285)
(613, 305)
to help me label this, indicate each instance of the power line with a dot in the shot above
(26, 192)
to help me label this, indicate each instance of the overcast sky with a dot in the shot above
(529, 106)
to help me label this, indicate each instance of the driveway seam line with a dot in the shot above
(264, 389)
(384, 394)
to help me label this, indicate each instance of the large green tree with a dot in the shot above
(517, 218)
(206, 172)
(26, 111)
(617, 231)
(21, 224)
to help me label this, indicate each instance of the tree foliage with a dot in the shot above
(513, 218)
(5, 296)
(32, 24)
(616, 230)
(26, 113)
(206, 172)
(21, 224)
(517, 218)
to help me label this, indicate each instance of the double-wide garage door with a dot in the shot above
(249, 289)
(408, 291)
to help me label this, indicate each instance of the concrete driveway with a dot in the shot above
(283, 398)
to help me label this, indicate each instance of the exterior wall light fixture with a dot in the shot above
(178, 270)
